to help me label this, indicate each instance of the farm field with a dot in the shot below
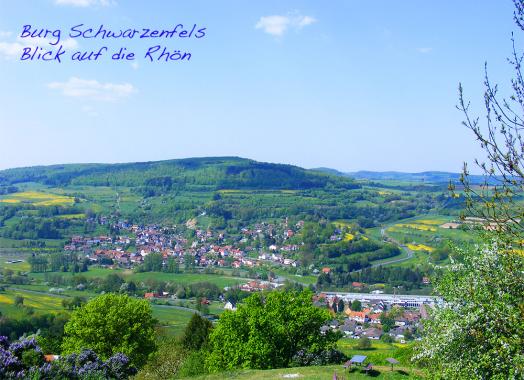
(171, 319)
(43, 303)
(37, 198)
(185, 278)
(426, 230)
(37, 297)
(179, 278)
(308, 279)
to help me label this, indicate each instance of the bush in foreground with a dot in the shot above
(111, 324)
(478, 332)
(267, 331)
(24, 360)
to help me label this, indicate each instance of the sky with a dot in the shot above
(346, 84)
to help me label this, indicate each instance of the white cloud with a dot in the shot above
(425, 50)
(305, 21)
(5, 34)
(85, 3)
(274, 25)
(277, 25)
(135, 65)
(92, 89)
(13, 50)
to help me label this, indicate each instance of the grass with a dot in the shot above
(378, 352)
(186, 278)
(44, 303)
(178, 278)
(71, 216)
(173, 320)
(314, 373)
(308, 279)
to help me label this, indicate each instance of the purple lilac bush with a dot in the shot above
(24, 359)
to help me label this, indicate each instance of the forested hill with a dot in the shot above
(211, 173)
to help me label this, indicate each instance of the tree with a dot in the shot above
(341, 306)
(189, 261)
(19, 301)
(356, 305)
(153, 262)
(38, 263)
(478, 332)
(386, 321)
(172, 265)
(267, 330)
(196, 333)
(74, 303)
(364, 343)
(166, 361)
(112, 283)
(110, 324)
(502, 140)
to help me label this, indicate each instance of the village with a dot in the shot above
(205, 248)
(373, 316)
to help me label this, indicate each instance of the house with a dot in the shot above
(398, 332)
(204, 301)
(401, 321)
(326, 270)
(346, 330)
(374, 318)
(230, 305)
(349, 327)
(357, 316)
(372, 333)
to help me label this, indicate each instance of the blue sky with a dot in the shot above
(347, 84)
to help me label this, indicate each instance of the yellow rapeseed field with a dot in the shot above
(421, 227)
(6, 299)
(420, 247)
(71, 216)
(39, 198)
(431, 222)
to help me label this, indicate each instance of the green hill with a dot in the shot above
(211, 173)
(55, 202)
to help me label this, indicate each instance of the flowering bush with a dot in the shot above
(24, 360)
(477, 333)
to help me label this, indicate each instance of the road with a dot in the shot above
(409, 252)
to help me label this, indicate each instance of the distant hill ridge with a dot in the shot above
(207, 173)
(428, 176)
